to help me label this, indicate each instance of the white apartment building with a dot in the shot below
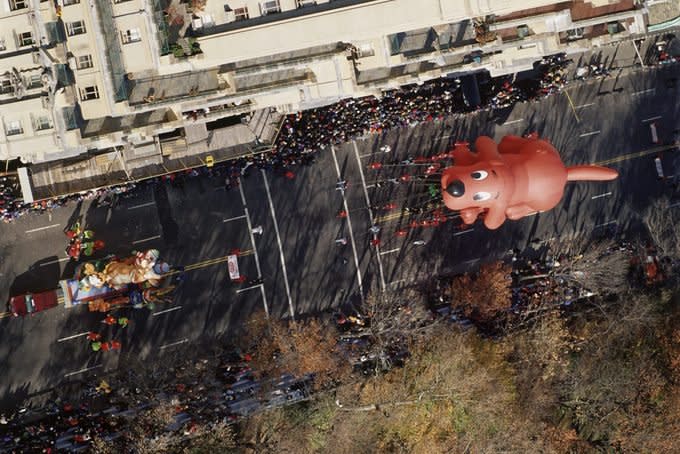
(152, 80)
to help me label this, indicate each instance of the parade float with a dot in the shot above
(136, 280)
(520, 176)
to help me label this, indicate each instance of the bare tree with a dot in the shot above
(599, 266)
(661, 223)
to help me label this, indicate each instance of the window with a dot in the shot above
(34, 81)
(303, 3)
(71, 2)
(575, 33)
(42, 122)
(270, 7)
(18, 4)
(131, 36)
(85, 61)
(241, 13)
(26, 39)
(75, 28)
(89, 93)
(13, 127)
(6, 86)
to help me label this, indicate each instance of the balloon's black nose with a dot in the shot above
(456, 188)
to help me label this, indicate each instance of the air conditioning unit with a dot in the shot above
(365, 50)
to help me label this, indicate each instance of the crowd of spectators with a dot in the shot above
(140, 407)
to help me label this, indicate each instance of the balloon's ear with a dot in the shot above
(511, 144)
(462, 156)
(487, 149)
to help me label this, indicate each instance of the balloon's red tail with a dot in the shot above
(591, 173)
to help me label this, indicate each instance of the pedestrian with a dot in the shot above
(375, 242)
(96, 346)
(341, 241)
(123, 322)
(93, 337)
(109, 320)
(290, 175)
(115, 345)
(342, 214)
(375, 229)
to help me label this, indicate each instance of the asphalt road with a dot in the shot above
(303, 269)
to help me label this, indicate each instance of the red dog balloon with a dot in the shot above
(518, 177)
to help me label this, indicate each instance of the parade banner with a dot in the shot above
(232, 262)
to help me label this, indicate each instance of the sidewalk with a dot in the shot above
(147, 159)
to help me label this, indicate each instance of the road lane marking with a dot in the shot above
(82, 370)
(254, 250)
(278, 240)
(370, 211)
(210, 262)
(643, 91)
(637, 154)
(234, 218)
(674, 205)
(513, 122)
(605, 224)
(647, 120)
(470, 262)
(172, 344)
(151, 238)
(571, 104)
(176, 308)
(73, 337)
(366, 155)
(585, 105)
(51, 262)
(606, 194)
(248, 288)
(391, 251)
(351, 230)
(464, 232)
(43, 228)
(591, 133)
(147, 204)
(5, 314)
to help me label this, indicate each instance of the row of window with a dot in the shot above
(40, 123)
(132, 35)
(30, 82)
(266, 7)
(16, 5)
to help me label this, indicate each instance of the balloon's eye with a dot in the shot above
(479, 175)
(481, 196)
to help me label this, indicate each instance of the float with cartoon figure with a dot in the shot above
(134, 280)
(140, 280)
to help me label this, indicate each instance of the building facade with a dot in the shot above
(140, 81)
